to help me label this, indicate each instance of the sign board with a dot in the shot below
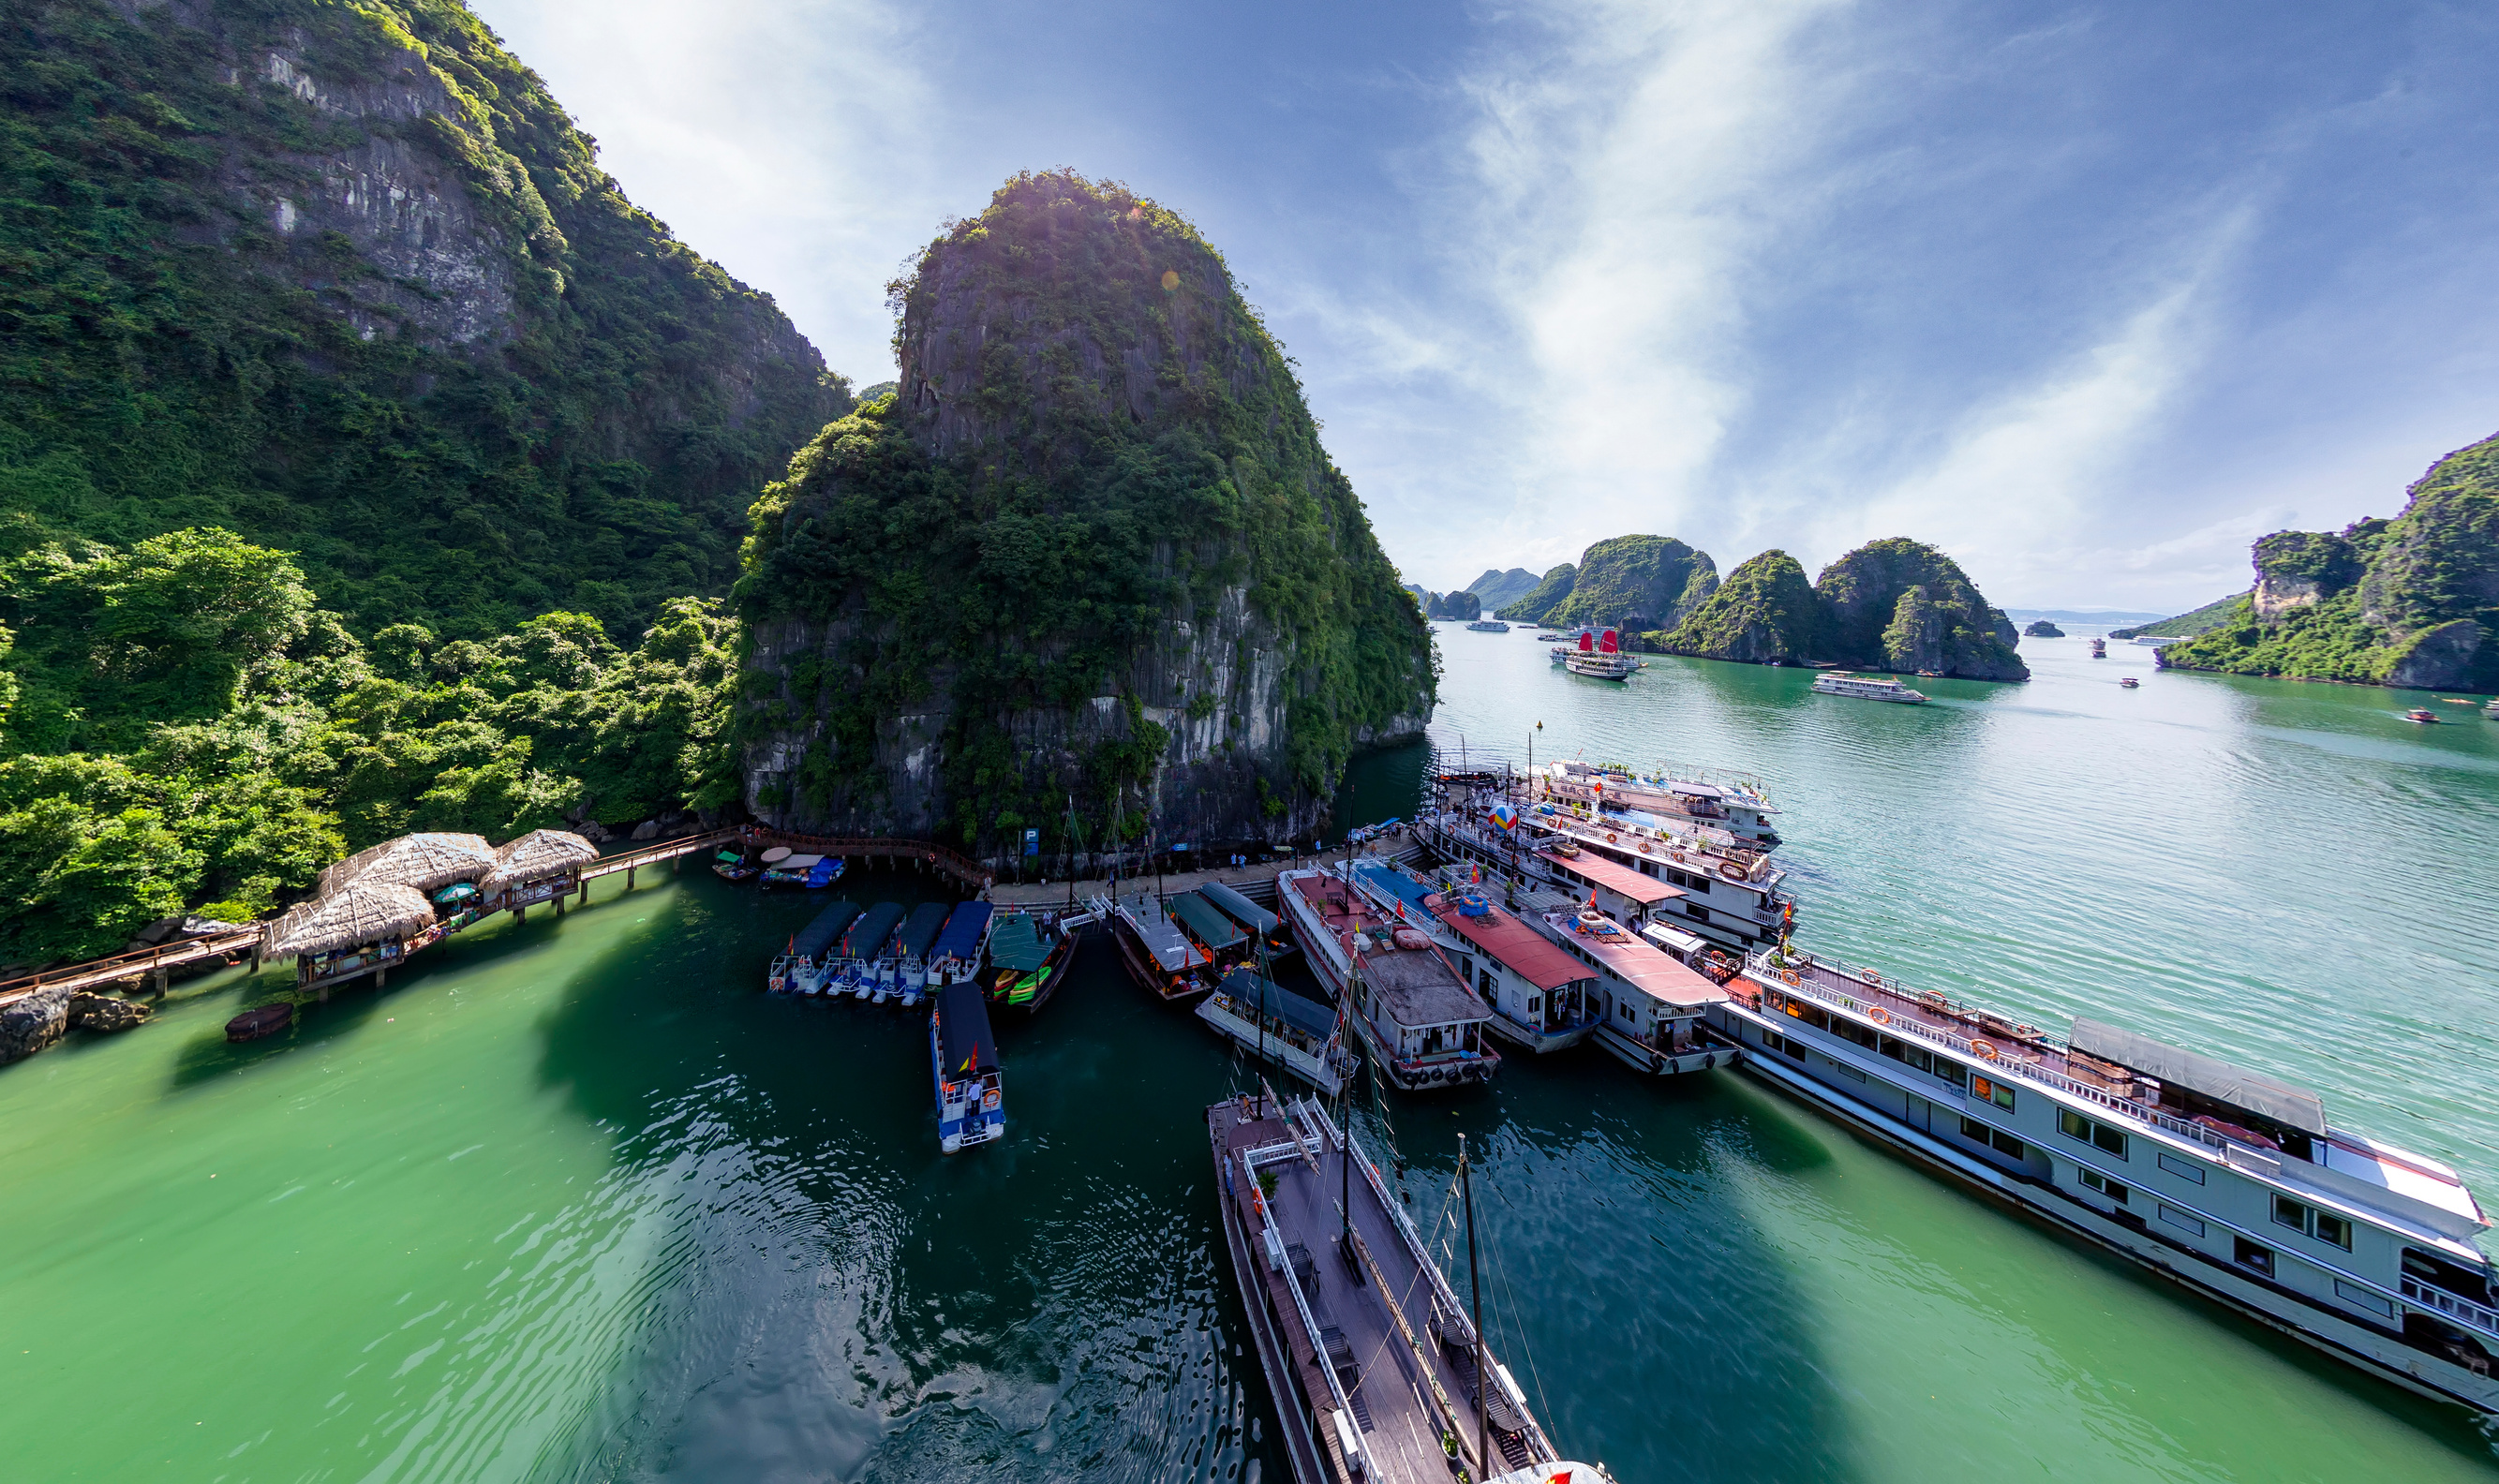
(1032, 842)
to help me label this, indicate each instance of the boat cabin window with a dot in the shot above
(2248, 1254)
(1921, 1058)
(1850, 1030)
(2182, 1220)
(2324, 1226)
(2091, 1131)
(2446, 1275)
(2003, 1143)
(1808, 1014)
(2110, 1188)
(1989, 1090)
(2183, 1169)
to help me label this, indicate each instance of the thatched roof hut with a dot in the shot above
(355, 915)
(425, 861)
(538, 856)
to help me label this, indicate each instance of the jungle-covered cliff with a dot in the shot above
(2409, 601)
(1090, 553)
(1892, 604)
(342, 277)
(1636, 581)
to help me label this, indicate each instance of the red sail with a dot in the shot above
(1610, 645)
(1587, 641)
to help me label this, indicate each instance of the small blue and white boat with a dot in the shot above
(800, 970)
(964, 1057)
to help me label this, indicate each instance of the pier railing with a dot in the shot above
(138, 964)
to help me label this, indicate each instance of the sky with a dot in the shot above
(2089, 296)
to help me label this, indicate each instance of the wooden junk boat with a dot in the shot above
(1376, 1367)
(1155, 952)
(1029, 953)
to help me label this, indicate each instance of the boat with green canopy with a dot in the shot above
(1029, 953)
(1215, 935)
(1260, 923)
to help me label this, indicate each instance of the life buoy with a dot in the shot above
(1731, 870)
(1788, 976)
(1984, 1050)
(1643, 850)
(1679, 854)
(1609, 837)
(1879, 1015)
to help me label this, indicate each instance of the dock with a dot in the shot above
(1257, 882)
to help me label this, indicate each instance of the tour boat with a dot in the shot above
(964, 1056)
(2491, 711)
(2099, 649)
(799, 971)
(1649, 1006)
(2421, 714)
(1597, 655)
(2229, 1181)
(1380, 1374)
(1217, 940)
(1541, 999)
(1683, 797)
(956, 956)
(1303, 1035)
(1489, 626)
(812, 872)
(1261, 924)
(1029, 953)
(1423, 1027)
(912, 943)
(1152, 949)
(1550, 638)
(849, 966)
(1643, 867)
(1865, 687)
(2130, 683)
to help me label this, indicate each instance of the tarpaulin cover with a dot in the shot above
(870, 934)
(965, 1047)
(1017, 943)
(820, 933)
(928, 920)
(1240, 908)
(1207, 925)
(1246, 986)
(964, 929)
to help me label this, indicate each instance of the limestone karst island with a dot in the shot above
(1395, 746)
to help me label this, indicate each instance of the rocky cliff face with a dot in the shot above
(1496, 588)
(1898, 605)
(2410, 602)
(1639, 581)
(1766, 611)
(1548, 595)
(365, 294)
(1090, 560)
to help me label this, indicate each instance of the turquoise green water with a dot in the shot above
(574, 1200)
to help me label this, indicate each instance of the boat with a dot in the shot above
(2491, 711)
(912, 942)
(1866, 687)
(1550, 638)
(1597, 655)
(1642, 868)
(1489, 626)
(963, 1056)
(1218, 941)
(1650, 1006)
(2130, 683)
(2225, 1181)
(956, 956)
(261, 1021)
(2099, 649)
(850, 968)
(2421, 714)
(733, 865)
(1029, 953)
(1376, 1368)
(1421, 1024)
(813, 872)
(1541, 999)
(1261, 924)
(1153, 950)
(1298, 1034)
(800, 970)
(1682, 797)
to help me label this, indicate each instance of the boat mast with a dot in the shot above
(1475, 1290)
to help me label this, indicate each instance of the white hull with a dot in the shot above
(1648, 1060)
(1329, 1079)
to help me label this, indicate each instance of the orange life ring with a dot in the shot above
(1609, 837)
(1643, 850)
(1731, 870)
(1678, 855)
(1983, 1051)
(1787, 976)
(1879, 1015)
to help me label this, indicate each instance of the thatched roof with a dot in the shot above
(357, 914)
(426, 861)
(535, 857)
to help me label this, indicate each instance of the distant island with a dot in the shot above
(1496, 590)
(2041, 629)
(2412, 602)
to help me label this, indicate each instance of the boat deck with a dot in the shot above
(1394, 1406)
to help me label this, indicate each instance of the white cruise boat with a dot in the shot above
(1597, 655)
(2229, 1181)
(1421, 1024)
(1542, 998)
(1640, 872)
(1489, 626)
(1684, 798)
(1649, 1007)
(1866, 687)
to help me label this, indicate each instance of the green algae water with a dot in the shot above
(574, 1200)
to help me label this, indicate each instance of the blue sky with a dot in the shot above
(2089, 295)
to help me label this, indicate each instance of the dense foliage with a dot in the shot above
(1889, 605)
(1549, 594)
(1640, 581)
(1095, 438)
(194, 732)
(210, 315)
(1463, 607)
(2410, 602)
(1765, 611)
(1496, 588)
(2185, 625)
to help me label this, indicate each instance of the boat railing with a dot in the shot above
(1270, 1231)
(2462, 1310)
(1994, 1057)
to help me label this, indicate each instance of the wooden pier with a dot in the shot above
(147, 963)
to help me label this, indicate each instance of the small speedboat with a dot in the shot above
(2130, 683)
(2421, 714)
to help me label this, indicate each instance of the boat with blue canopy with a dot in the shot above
(850, 970)
(1301, 1035)
(956, 955)
(911, 945)
(796, 972)
(963, 1056)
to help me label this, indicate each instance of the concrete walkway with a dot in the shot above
(1254, 881)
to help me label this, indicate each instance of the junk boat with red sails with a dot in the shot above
(1421, 1024)
(1597, 654)
(2229, 1181)
(1379, 1373)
